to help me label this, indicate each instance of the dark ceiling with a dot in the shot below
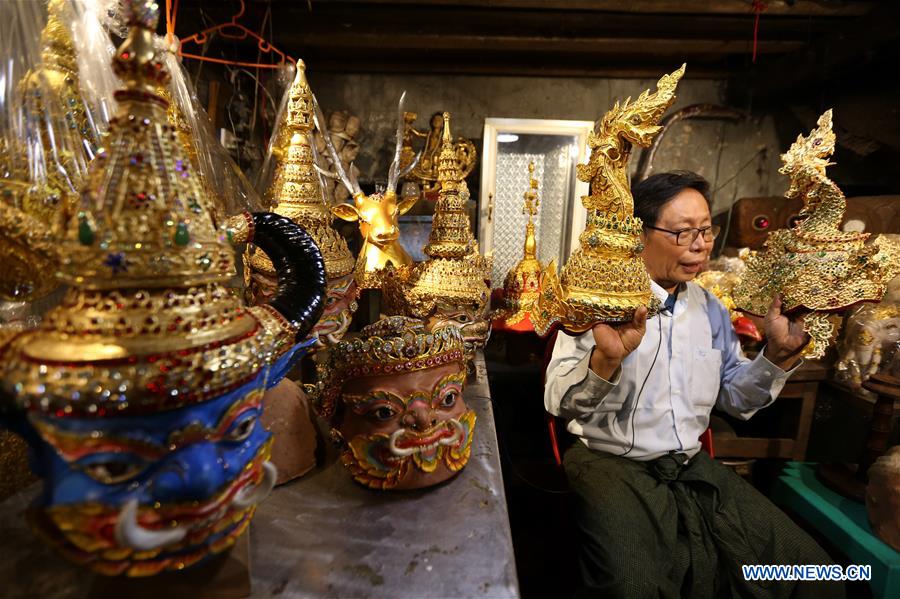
(813, 53)
(551, 38)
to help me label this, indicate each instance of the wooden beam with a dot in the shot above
(796, 8)
(633, 46)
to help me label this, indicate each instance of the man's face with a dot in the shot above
(670, 264)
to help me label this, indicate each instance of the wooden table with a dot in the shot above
(326, 536)
(842, 521)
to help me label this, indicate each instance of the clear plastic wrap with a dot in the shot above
(52, 125)
(224, 180)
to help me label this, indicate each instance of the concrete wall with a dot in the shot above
(740, 160)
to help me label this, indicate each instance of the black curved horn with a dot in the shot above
(300, 297)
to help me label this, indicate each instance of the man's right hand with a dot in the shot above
(613, 342)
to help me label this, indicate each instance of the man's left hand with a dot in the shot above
(785, 337)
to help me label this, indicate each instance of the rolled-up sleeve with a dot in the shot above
(572, 389)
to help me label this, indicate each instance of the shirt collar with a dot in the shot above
(663, 296)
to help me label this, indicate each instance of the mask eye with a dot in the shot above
(242, 430)
(449, 399)
(382, 413)
(463, 318)
(113, 471)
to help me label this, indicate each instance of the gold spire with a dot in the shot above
(145, 219)
(814, 265)
(605, 280)
(454, 272)
(296, 190)
(520, 287)
(52, 99)
(450, 235)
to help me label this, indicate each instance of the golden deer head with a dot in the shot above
(377, 213)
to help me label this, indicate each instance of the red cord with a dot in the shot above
(758, 7)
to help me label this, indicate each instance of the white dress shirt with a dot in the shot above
(660, 398)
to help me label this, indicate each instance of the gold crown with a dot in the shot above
(454, 273)
(605, 280)
(522, 282)
(814, 265)
(296, 191)
(144, 219)
(52, 99)
(392, 345)
(147, 324)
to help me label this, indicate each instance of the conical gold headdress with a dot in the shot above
(51, 92)
(147, 324)
(296, 190)
(520, 288)
(604, 280)
(814, 265)
(454, 272)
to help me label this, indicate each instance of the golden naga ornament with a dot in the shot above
(453, 281)
(427, 172)
(816, 266)
(605, 280)
(376, 213)
(149, 366)
(296, 193)
(522, 283)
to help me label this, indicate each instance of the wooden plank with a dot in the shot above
(376, 42)
(773, 8)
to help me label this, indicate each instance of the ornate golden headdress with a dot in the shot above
(814, 265)
(296, 191)
(522, 283)
(51, 92)
(604, 280)
(38, 188)
(392, 345)
(454, 273)
(147, 323)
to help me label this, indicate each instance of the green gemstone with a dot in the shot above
(85, 232)
(182, 237)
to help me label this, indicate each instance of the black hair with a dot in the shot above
(654, 192)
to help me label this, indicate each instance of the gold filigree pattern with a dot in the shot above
(604, 280)
(814, 265)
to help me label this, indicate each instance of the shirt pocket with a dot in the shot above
(706, 375)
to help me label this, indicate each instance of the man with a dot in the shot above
(660, 518)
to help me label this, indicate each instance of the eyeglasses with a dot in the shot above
(689, 235)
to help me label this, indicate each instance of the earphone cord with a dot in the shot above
(638, 398)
